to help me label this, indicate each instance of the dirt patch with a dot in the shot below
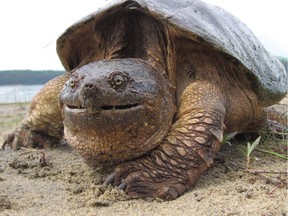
(65, 185)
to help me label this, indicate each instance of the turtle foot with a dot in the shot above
(26, 137)
(143, 181)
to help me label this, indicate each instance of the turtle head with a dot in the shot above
(116, 110)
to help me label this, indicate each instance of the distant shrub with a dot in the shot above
(284, 61)
(27, 77)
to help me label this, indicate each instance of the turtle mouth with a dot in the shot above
(103, 108)
(120, 107)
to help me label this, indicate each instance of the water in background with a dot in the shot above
(18, 93)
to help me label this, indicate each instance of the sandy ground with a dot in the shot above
(68, 187)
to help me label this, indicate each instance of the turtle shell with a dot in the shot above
(198, 21)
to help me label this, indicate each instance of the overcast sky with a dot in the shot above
(29, 28)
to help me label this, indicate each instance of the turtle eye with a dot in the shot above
(72, 83)
(118, 80)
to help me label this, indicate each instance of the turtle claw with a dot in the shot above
(12, 141)
(139, 182)
(110, 179)
(25, 137)
(122, 186)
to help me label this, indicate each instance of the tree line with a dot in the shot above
(27, 77)
(284, 61)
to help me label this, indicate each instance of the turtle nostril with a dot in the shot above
(88, 85)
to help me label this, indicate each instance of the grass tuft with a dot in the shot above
(248, 149)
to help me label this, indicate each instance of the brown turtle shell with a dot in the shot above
(198, 21)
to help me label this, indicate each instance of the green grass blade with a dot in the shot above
(273, 153)
(250, 148)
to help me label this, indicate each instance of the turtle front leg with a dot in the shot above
(43, 123)
(186, 152)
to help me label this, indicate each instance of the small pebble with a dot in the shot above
(249, 195)
(4, 202)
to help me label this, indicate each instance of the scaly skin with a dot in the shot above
(186, 152)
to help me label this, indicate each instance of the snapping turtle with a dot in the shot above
(152, 86)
